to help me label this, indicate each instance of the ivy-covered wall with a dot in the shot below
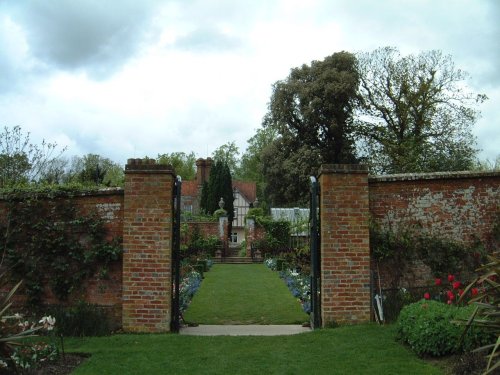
(71, 247)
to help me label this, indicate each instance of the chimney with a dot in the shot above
(203, 168)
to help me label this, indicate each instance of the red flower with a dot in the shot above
(456, 284)
(474, 291)
(460, 292)
(438, 281)
(451, 278)
(427, 296)
(451, 296)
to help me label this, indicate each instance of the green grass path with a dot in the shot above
(359, 350)
(244, 294)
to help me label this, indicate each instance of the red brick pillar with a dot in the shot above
(147, 244)
(345, 250)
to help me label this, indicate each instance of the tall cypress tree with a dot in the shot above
(219, 186)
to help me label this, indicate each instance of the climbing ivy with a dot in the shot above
(49, 243)
(443, 256)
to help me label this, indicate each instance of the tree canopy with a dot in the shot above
(93, 169)
(228, 154)
(312, 114)
(313, 107)
(416, 113)
(22, 161)
(183, 164)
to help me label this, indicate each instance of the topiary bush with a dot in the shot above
(430, 328)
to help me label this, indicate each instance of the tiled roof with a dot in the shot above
(190, 188)
(247, 189)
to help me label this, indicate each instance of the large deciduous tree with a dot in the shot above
(228, 154)
(22, 161)
(183, 164)
(312, 112)
(417, 112)
(93, 169)
(252, 164)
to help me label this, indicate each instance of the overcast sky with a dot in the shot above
(130, 78)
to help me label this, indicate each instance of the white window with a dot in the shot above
(234, 237)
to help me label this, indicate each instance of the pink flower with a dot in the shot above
(456, 285)
(438, 281)
(451, 278)
(449, 302)
(427, 296)
(474, 291)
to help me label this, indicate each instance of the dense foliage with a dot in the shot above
(277, 237)
(43, 238)
(219, 186)
(430, 328)
(417, 113)
(311, 110)
(486, 315)
(399, 250)
(183, 164)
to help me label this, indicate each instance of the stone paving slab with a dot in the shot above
(244, 330)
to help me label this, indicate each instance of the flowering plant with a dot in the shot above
(453, 293)
(13, 328)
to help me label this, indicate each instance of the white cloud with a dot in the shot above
(129, 79)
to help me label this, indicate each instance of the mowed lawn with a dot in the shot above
(244, 294)
(364, 349)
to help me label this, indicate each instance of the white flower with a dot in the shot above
(48, 322)
(3, 364)
(18, 316)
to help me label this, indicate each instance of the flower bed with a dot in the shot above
(299, 285)
(187, 289)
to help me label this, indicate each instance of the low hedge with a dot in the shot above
(431, 328)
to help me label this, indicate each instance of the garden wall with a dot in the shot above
(460, 206)
(105, 292)
(204, 228)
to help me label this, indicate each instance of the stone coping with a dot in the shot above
(433, 176)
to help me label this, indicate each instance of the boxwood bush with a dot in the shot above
(431, 328)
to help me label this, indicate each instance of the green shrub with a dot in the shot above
(83, 319)
(430, 328)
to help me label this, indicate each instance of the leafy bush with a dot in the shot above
(399, 250)
(83, 319)
(430, 328)
(486, 314)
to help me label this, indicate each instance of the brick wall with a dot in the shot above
(457, 205)
(105, 292)
(461, 206)
(345, 252)
(205, 228)
(147, 246)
